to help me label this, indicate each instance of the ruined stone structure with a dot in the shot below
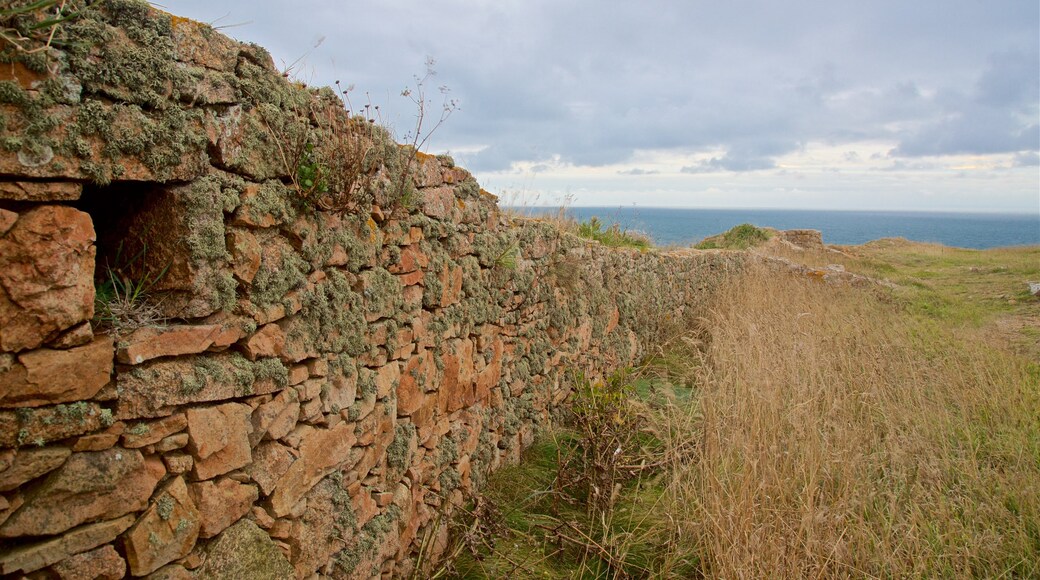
(209, 369)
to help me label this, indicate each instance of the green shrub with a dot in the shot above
(613, 236)
(739, 237)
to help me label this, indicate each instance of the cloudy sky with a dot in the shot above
(887, 104)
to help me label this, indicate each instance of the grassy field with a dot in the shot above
(800, 429)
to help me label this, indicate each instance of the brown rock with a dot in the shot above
(76, 336)
(30, 464)
(165, 384)
(457, 388)
(412, 259)
(219, 439)
(244, 144)
(195, 43)
(267, 342)
(410, 391)
(152, 432)
(178, 463)
(88, 487)
(221, 503)
(37, 192)
(438, 202)
(270, 462)
(43, 425)
(45, 376)
(7, 219)
(95, 442)
(166, 531)
(152, 342)
(245, 551)
(275, 419)
(46, 276)
(321, 531)
(102, 563)
(387, 379)
(31, 557)
(245, 254)
(172, 443)
(320, 453)
(450, 279)
(9, 505)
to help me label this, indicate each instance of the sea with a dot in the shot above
(683, 227)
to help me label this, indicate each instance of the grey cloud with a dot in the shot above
(590, 83)
(990, 119)
(638, 171)
(1027, 159)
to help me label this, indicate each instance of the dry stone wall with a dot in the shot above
(298, 391)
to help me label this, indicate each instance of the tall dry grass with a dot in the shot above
(835, 435)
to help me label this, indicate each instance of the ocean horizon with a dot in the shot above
(686, 226)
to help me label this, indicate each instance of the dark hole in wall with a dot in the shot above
(126, 227)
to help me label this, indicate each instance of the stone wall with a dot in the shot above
(298, 389)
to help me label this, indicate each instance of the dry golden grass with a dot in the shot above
(803, 429)
(842, 437)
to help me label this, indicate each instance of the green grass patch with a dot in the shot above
(612, 235)
(739, 237)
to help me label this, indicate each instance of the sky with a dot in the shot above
(882, 105)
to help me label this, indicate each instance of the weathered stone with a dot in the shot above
(450, 281)
(221, 503)
(76, 336)
(244, 142)
(267, 342)
(245, 254)
(457, 388)
(172, 443)
(153, 342)
(320, 532)
(387, 379)
(159, 386)
(270, 462)
(31, 557)
(320, 453)
(96, 441)
(275, 419)
(412, 259)
(102, 563)
(219, 439)
(46, 376)
(88, 487)
(7, 219)
(178, 463)
(438, 202)
(418, 371)
(197, 43)
(166, 531)
(37, 192)
(245, 551)
(152, 432)
(46, 275)
(29, 464)
(46, 424)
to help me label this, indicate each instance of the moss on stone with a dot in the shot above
(281, 271)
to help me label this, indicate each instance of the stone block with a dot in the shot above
(87, 487)
(320, 452)
(31, 557)
(145, 344)
(165, 532)
(219, 439)
(46, 275)
(221, 503)
(45, 376)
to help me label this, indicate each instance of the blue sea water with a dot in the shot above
(682, 227)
